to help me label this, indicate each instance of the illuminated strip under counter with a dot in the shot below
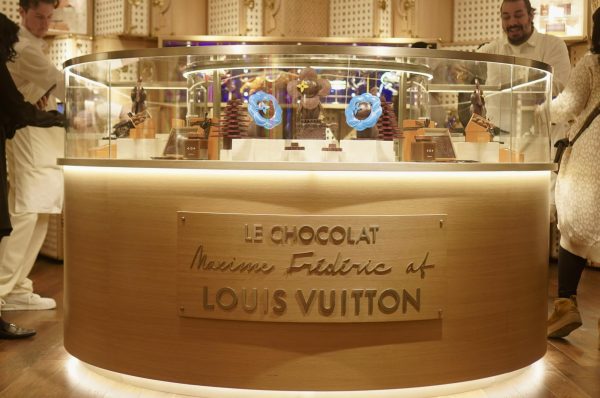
(307, 166)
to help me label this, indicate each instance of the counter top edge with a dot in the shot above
(305, 166)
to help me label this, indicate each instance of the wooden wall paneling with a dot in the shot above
(235, 17)
(108, 17)
(122, 17)
(73, 17)
(403, 18)
(476, 20)
(351, 18)
(90, 17)
(436, 24)
(252, 17)
(116, 43)
(179, 17)
(224, 17)
(296, 18)
(64, 47)
(415, 19)
(137, 18)
(382, 18)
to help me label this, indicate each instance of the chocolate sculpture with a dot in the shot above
(264, 109)
(387, 127)
(477, 101)
(309, 89)
(138, 98)
(362, 114)
(234, 122)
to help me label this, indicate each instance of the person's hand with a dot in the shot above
(42, 103)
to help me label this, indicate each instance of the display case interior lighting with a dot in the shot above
(429, 76)
(527, 381)
(233, 171)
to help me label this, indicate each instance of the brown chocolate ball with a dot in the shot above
(363, 110)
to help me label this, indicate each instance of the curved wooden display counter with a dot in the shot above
(476, 307)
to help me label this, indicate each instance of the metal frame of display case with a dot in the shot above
(373, 51)
(203, 40)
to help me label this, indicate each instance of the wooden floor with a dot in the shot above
(38, 367)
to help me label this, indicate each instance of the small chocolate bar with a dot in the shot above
(294, 146)
(332, 148)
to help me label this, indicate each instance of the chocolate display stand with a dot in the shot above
(444, 148)
(234, 122)
(387, 126)
(411, 129)
(331, 153)
(122, 129)
(423, 149)
(295, 152)
(478, 129)
(314, 129)
(186, 143)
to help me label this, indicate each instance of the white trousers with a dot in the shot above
(19, 250)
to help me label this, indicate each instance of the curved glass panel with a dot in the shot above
(307, 103)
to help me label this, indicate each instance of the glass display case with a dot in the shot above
(307, 103)
(380, 203)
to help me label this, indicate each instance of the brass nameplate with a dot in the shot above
(284, 268)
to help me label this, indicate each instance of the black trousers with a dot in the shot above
(570, 267)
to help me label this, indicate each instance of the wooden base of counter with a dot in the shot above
(121, 309)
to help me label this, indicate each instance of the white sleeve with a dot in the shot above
(558, 57)
(35, 67)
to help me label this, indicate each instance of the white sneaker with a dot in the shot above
(27, 301)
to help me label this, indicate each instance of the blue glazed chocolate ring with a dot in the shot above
(355, 106)
(257, 103)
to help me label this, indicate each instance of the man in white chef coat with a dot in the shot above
(36, 182)
(521, 39)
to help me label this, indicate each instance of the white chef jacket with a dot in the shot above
(501, 108)
(34, 176)
(539, 47)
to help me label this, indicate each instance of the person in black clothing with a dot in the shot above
(15, 113)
